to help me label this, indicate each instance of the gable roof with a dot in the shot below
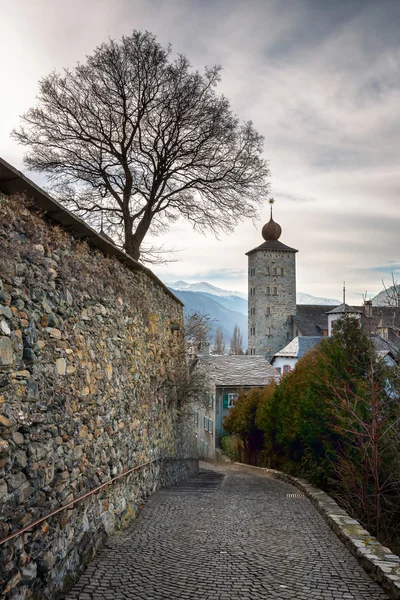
(298, 346)
(274, 245)
(344, 309)
(237, 370)
(311, 319)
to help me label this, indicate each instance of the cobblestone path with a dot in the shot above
(226, 535)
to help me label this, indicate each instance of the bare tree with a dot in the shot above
(219, 344)
(392, 293)
(237, 341)
(197, 332)
(139, 140)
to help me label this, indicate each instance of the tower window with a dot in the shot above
(267, 271)
(275, 293)
(268, 291)
(282, 271)
(267, 311)
(268, 331)
(274, 271)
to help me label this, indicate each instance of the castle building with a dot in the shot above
(272, 293)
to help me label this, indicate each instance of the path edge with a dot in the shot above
(377, 560)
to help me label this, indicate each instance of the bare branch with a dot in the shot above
(144, 139)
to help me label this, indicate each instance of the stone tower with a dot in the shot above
(272, 292)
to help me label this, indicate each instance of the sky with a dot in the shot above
(320, 80)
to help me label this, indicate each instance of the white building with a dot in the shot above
(285, 360)
(343, 310)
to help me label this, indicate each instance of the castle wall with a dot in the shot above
(269, 323)
(91, 359)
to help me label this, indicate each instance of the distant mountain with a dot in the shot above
(382, 299)
(204, 287)
(234, 303)
(219, 314)
(302, 298)
(211, 291)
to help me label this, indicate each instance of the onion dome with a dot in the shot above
(271, 230)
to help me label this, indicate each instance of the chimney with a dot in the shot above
(368, 308)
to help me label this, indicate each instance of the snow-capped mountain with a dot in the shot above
(207, 288)
(387, 297)
(302, 298)
(203, 286)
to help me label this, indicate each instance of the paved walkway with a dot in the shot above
(226, 535)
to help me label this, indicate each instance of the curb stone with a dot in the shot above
(378, 561)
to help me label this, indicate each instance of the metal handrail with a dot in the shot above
(71, 504)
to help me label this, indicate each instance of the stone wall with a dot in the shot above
(269, 324)
(91, 358)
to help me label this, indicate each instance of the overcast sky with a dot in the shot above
(320, 79)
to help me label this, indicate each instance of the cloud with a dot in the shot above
(319, 80)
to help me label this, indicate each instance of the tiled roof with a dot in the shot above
(274, 245)
(384, 347)
(311, 319)
(299, 346)
(343, 309)
(237, 371)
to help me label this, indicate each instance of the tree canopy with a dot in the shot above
(134, 139)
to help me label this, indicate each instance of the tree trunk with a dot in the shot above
(133, 241)
(132, 247)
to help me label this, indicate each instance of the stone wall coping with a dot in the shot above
(378, 561)
(13, 181)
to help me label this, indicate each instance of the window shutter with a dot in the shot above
(226, 401)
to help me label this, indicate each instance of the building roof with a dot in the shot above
(298, 346)
(274, 245)
(384, 347)
(238, 370)
(344, 309)
(312, 319)
(13, 181)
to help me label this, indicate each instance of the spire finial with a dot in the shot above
(271, 202)
(344, 293)
(271, 230)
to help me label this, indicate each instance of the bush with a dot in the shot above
(233, 447)
(334, 420)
